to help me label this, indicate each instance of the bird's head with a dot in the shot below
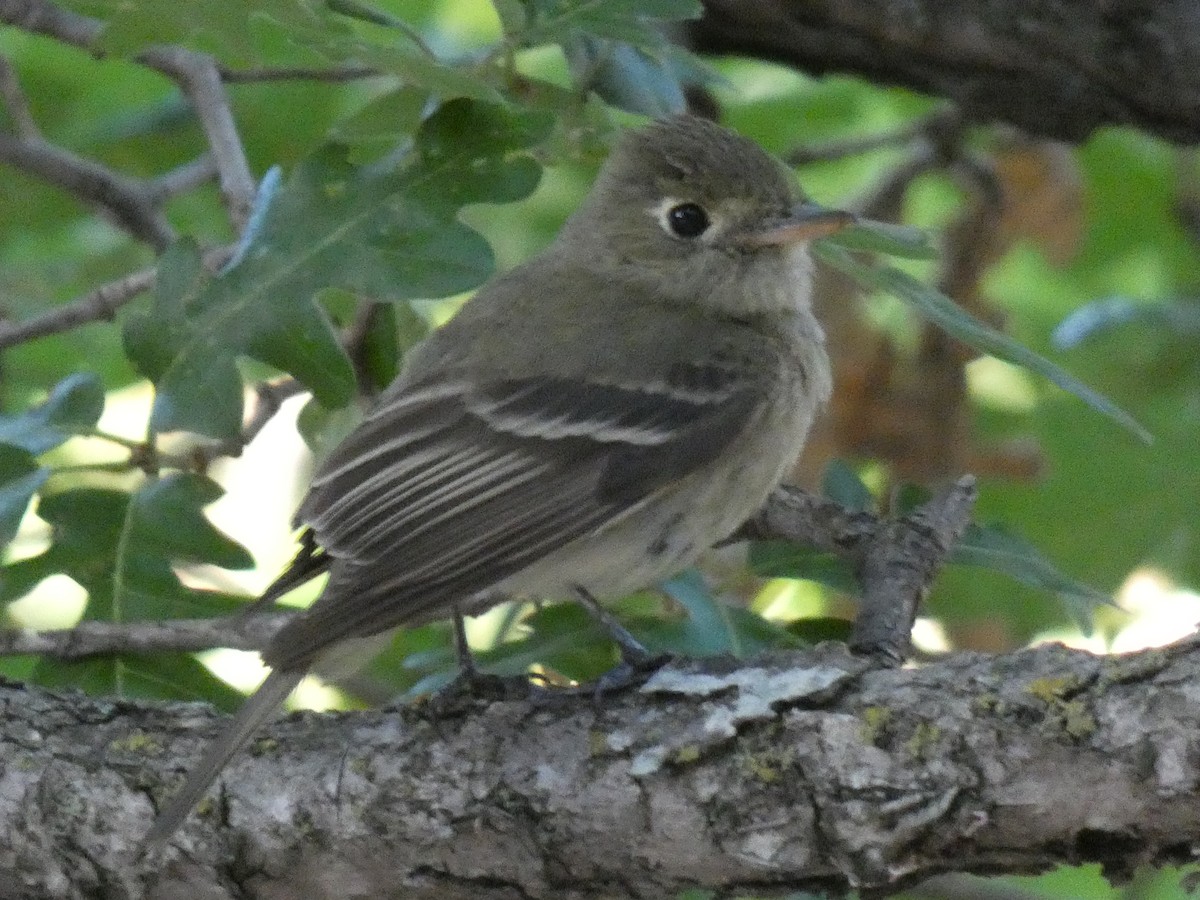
(693, 210)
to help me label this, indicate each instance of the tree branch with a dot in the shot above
(16, 103)
(1051, 67)
(200, 79)
(287, 73)
(811, 771)
(196, 73)
(127, 199)
(96, 305)
(170, 636)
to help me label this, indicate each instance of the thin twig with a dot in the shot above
(98, 304)
(185, 178)
(200, 79)
(91, 638)
(16, 102)
(284, 73)
(128, 200)
(196, 73)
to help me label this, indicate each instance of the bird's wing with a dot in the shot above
(452, 485)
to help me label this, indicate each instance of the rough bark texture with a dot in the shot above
(1056, 68)
(811, 771)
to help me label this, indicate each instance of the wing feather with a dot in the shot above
(444, 493)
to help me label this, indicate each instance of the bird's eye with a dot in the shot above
(687, 220)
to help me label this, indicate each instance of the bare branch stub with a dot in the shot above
(896, 561)
(898, 565)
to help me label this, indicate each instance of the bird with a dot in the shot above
(586, 426)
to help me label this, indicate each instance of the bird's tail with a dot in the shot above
(254, 713)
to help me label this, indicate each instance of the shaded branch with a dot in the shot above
(808, 772)
(128, 200)
(94, 306)
(896, 560)
(196, 74)
(185, 178)
(1051, 67)
(286, 73)
(200, 79)
(16, 103)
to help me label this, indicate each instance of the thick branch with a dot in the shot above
(804, 772)
(1052, 67)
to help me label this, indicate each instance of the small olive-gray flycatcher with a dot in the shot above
(588, 424)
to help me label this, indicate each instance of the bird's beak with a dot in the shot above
(807, 222)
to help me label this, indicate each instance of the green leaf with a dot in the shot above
(842, 485)
(625, 76)
(413, 66)
(188, 348)
(386, 235)
(1094, 319)
(957, 322)
(122, 550)
(512, 15)
(20, 479)
(387, 119)
(711, 628)
(903, 241)
(227, 28)
(783, 559)
(993, 547)
(628, 21)
(161, 676)
(76, 401)
(821, 628)
(168, 522)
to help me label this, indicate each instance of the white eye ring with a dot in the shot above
(684, 219)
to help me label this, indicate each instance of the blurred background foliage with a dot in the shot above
(497, 117)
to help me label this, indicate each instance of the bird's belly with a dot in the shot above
(670, 529)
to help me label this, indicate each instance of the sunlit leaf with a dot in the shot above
(783, 559)
(122, 549)
(168, 521)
